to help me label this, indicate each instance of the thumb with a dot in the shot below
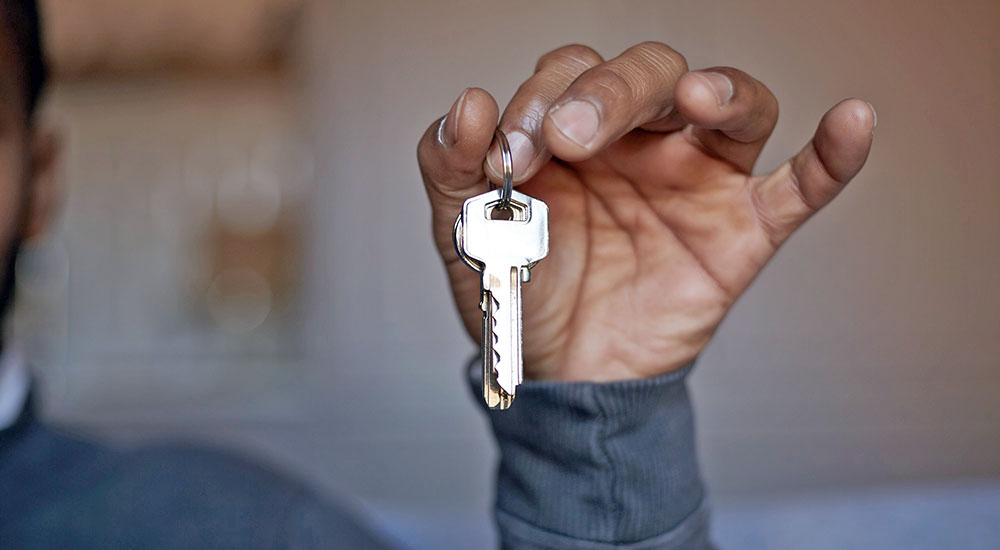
(452, 150)
(451, 154)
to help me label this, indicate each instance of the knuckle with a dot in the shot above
(642, 70)
(575, 56)
(533, 113)
(528, 110)
(661, 58)
(615, 81)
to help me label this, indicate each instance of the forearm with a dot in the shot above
(586, 465)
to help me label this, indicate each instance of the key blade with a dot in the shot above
(509, 339)
(494, 396)
(504, 284)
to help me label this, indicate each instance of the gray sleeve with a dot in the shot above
(595, 466)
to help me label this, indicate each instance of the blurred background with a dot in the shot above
(244, 256)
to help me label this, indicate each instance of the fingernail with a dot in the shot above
(448, 128)
(577, 120)
(874, 115)
(521, 154)
(443, 138)
(720, 85)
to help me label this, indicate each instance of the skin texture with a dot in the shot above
(656, 225)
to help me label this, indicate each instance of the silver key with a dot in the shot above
(504, 250)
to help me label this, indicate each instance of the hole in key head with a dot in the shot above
(499, 213)
(515, 212)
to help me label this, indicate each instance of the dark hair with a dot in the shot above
(22, 20)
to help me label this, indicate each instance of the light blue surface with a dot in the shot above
(948, 515)
(941, 516)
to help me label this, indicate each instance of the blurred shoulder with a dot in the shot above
(70, 492)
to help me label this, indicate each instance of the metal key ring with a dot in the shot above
(508, 169)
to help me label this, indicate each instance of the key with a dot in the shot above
(504, 250)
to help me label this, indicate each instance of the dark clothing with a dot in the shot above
(58, 491)
(583, 466)
(598, 466)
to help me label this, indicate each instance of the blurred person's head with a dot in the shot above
(26, 152)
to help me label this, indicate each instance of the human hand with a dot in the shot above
(656, 224)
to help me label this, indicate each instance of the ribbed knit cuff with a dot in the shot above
(594, 465)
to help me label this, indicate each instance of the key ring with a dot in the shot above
(508, 169)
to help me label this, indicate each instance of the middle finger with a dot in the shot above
(612, 99)
(522, 120)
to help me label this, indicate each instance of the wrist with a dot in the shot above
(601, 462)
(602, 369)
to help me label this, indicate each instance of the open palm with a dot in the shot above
(656, 225)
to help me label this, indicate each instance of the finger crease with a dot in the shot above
(698, 259)
(764, 219)
(796, 186)
(822, 163)
(688, 134)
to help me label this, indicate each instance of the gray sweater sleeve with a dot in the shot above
(596, 466)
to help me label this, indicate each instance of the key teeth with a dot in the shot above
(496, 338)
(497, 358)
(496, 397)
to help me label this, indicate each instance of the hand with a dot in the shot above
(656, 224)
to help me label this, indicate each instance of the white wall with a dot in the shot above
(868, 351)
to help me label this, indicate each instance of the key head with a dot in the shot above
(519, 241)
